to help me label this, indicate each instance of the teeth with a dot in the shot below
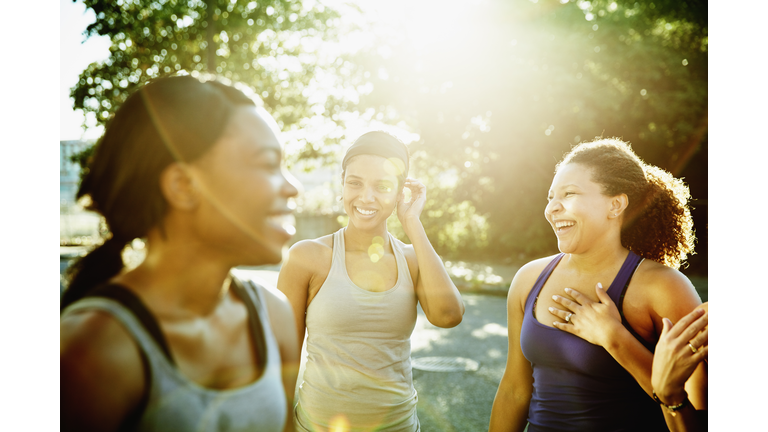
(286, 221)
(562, 224)
(365, 212)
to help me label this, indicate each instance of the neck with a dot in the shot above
(356, 239)
(179, 277)
(599, 257)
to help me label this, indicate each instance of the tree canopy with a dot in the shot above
(494, 91)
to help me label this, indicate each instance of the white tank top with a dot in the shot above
(358, 369)
(178, 404)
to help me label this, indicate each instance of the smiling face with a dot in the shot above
(244, 211)
(370, 191)
(578, 211)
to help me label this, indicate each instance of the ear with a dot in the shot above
(619, 203)
(179, 187)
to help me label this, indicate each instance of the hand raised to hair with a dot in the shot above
(595, 322)
(409, 212)
(674, 359)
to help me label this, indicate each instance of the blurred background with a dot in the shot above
(488, 95)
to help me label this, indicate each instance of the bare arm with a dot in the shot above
(293, 281)
(510, 406)
(283, 326)
(102, 375)
(438, 296)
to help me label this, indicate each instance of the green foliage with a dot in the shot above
(269, 45)
(497, 96)
(498, 102)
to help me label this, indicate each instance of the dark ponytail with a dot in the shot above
(170, 119)
(100, 265)
(657, 223)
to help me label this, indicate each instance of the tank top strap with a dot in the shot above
(403, 270)
(338, 265)
(534, 294)
(621, 281)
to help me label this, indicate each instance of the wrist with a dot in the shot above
(671, 396)
(672, 402)
(410, 223)
(614, 337)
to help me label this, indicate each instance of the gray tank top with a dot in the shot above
(178, 404)
(358, 371)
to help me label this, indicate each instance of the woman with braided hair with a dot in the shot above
(583, 324)
(179, 343)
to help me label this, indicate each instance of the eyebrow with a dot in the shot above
(352, 176)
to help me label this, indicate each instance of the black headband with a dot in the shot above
(380, 144)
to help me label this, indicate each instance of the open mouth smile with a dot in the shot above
(366, 212)
(561, 226)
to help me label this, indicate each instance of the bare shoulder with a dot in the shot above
(661, 280)
(95, 336)
(310, 253)
(102, 375)
(526, 277)
(666, 291)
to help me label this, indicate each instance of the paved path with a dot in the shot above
(461, 401)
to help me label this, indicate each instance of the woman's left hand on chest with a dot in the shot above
(595, 322)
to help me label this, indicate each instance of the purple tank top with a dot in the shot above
(578, 386)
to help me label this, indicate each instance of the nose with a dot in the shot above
(291, 185)
(366, 195)
(553, 206)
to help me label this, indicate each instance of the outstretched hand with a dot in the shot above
(594, 322)
(680, 349)
(411, 210)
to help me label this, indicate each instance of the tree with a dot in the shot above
(502, 94)
(269, 45)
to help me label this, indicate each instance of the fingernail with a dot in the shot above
(568, 290)
(554, 297)
(551, 309)
(599, 285)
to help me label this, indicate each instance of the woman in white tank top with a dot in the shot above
(195, 169)
(355, 294)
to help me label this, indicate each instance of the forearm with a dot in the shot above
(441, 298)
(509, 413)
(686, 419)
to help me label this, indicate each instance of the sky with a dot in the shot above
(76, 54)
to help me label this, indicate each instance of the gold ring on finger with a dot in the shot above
(692, 348)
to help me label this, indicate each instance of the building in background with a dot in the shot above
(77, 226)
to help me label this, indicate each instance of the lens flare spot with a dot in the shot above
(378, 240)
(339, 424)
(394, 166)
(375, 252)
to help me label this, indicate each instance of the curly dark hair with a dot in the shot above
(657, 223)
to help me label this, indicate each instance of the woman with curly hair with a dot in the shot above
(580, 357)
